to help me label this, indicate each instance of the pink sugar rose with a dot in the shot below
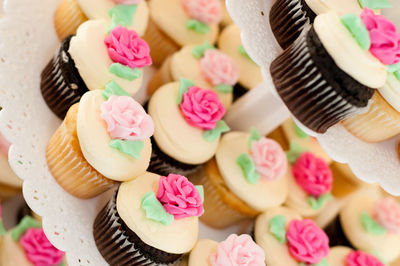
(387, 213)
(179, 196)
(127, 2)
(206, 11)
(218, 68)
(202, 108)
(39, 250)
(238, 251)
(307, 242)
(360, 258)
(127, 48)
(312, 174)
(385, 40)
(269, 159)
(126, 119)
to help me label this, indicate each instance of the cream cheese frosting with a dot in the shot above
(260, 196)
(200, 254)
(11, 253)
(340, 6)
(347, 54)
(176, 238)
(94, 142)
(337, 256)
(98, 9)
(391, 91)
(91, 58)
(173, 134)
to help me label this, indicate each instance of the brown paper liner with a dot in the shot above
(162, 76)
(161, 45)
(68, 165)
(7, 192)
(67, 18)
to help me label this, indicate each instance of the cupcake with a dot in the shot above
(246, 178)
(206, 66)
(226, 18)
(344, 256)
(103, 139)
(176, 23)
(288, 240)
(341, 70)
(94, 60)
(187, 127)
(152, 220)
(70, 14)
(234, 251)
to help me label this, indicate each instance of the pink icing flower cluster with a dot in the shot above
(4, 146)
(127, 48)
(269, 159)
(385, 40)
(238, 250)
(313, 174)
(206, 11)
(307, 242)
(39, 250)
(202, 108)
(218, 68)
(126, 119)
(360, 258)
(179, 196)
(387, 213)
(127, 2)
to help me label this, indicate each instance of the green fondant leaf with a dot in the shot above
(255, 136)
(397, 74)
(122, 15)
(370, 225)
(302, 264)
(125, 72)
(294, 152)
(184, 86)
(199, 50)
(132, 148)
(323, 262)
(393, 68)
(26, 223)
(375, 4)
(277, 228)
(197, 26)
(154, 209)
(299, 132)
(200, 189)
(243, 52)
(357, 28)
(112, 88)
(213, 134)
(317, 203)
(379, 257)
(248, 168)
(2, 229)
(223, 88)
(62, 263)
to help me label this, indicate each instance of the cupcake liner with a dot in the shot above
(61, 84)
(121, 246)
(68, 166)
(380, 123)
(313, 88)
(67, 18)
(288, 18)
(162, 76)
(336, 234)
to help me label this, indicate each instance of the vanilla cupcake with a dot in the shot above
(344, 256)
(70, 14)
(104, 139)
(226, 18)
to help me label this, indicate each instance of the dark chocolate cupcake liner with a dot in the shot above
(61, 84)
(121, 246)
(336, 235)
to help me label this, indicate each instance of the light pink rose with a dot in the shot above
(127, 2)
(127, 48)
(4, 146)
(218, 68)
(202, 108)
(39, 250)
(206, 11)
(269, 159)
(387, 213)
(307, 242)
(238, 251)
(360, 258)
(126, 119)
(385, 40)
(179, 196)
(313, 174)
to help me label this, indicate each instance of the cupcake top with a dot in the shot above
(109, 59)
(253, 168)
(344, 256)
(340, 6)
(7, 175)
(114, 134)
(133, 14)
(162, 211)
(188, 121)
(230, 43)
(187, 21)
(391, 90)
(373, 225)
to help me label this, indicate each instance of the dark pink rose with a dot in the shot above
(360, 258)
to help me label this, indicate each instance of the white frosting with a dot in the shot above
(94, 142)
(7, 175)
(98, 9)
(337, 256)
(347, 54)
(173, 134)
(340, 6)
(200, 254)
(391, 91)
(91, 58)
(12, 253)
(176, 238)
(260, 196)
